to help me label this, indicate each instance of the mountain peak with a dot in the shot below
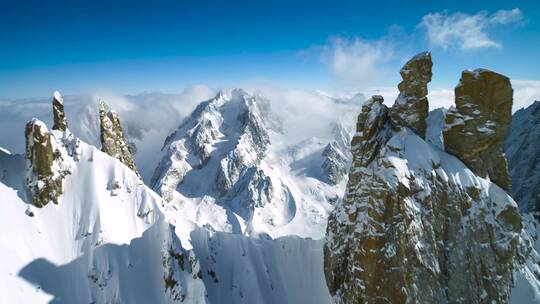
(411, 107)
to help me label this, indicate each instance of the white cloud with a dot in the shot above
(464, 31)
(307, 114)
(506, 16)
(525, 93)
(441, 98)
(358, 62)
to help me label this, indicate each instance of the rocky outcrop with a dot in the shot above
(113, 141)
(522, 149)
(334, 166)
(45, 153)
(476, 128)
(59, 116)
(43, 182)
(416, 225)
(411, 107)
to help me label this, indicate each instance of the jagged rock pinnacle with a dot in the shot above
(415, 226)
(112, 137)
(60, 121)
(44, 185)
(411, 107)
(475, 130)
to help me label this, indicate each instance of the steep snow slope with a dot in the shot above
(248, 270)
(104, 247)
(227, 166)
(90, 221)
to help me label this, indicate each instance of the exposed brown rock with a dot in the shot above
(112, 137)
(475, 130)
(371, 129)
(414, 226)
(60, 122)
(44, 184)
(411, 107)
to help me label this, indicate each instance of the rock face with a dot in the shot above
(475, 130)
(112, 137)
(43, 183)
(416, 225)
(411, 107)
(60, 122)
(522, 148)
(45, 153)
(337, 156)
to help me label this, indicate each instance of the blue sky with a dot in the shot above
(135, 46)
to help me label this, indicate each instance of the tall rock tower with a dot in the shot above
(112, 137)
(417, 224)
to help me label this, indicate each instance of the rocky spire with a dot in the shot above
(415, 226)
(44, 184)
(411, 107)
(112, 137)
(60, 122)
(476, 128)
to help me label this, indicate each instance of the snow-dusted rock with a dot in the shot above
(221, 168)
(411, 106)
(45, 153)
(476, 128)
(218, 151)
(417, 225)
(59, 116)
(113, 141)
(189, 146)
(522, 149)
(337, 156)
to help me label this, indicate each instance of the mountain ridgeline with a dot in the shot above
(236, 212)
(419, 224)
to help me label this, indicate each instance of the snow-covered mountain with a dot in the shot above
(227, 166)
(237, 213)
(89, 230)
(522, 148)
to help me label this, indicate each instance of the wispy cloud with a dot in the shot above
(357, 62)
(464, 31)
